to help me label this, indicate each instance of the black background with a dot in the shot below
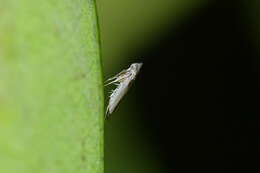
(199, 93)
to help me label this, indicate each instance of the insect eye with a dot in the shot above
(135, 66)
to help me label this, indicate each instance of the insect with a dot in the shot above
(123, 81)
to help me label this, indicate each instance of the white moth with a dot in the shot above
(123, 81)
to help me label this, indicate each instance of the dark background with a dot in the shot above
(195, 105)
(199, 93)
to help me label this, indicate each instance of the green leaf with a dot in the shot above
(51, 88)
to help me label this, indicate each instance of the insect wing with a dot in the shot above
(117, 95)
(123, 80)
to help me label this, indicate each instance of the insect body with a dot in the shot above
(123, 80)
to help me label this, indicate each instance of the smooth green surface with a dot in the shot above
(51, 88)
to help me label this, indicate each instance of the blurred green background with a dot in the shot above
(130, 24)
(125, 27)
(128, 29)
